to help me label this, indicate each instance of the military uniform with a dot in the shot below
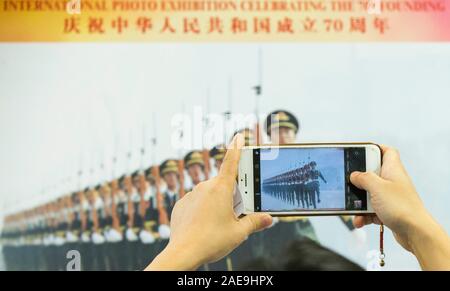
(75, 226)
(149, 231)
(120, 256)
(137, 225)
(97, 226)
(114, 235)
(106, 225)
(60, 235)
(315, 175)
(170, 197)
(131, 238)
(86, 231)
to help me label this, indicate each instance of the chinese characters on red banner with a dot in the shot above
(218, 25)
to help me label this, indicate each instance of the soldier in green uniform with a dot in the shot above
(60, 236)
(97, 222)
(119, 211)
(105, 223)
(86, 227)
(315, 175)
(134, 220)
(149, 234)
(53, 235)
(169, 173)
(6, 241)
(75, 229)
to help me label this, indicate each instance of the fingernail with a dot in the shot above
(239, 140)
(230, 145)
(354, 174)
(266, 220)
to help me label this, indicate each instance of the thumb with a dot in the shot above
(368, 181)
(255, 222)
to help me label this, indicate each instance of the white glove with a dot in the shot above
(51, 240)
(97, 238)
(70, 237)
(130, 235)
(85, 238)
(146, 237)
(115, 236)
(164, 231)
(58, 241)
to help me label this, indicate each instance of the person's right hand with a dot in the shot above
(393, 197)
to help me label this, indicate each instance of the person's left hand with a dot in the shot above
(204, 227)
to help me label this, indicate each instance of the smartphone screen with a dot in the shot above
(308, 179)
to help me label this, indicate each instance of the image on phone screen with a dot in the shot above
(308, 179)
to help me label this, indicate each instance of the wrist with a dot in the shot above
(175, 258)
(422, 230)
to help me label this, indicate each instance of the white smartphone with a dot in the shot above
(306, 179)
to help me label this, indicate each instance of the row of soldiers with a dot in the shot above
(299, 187)
(117, 225)
(124, 223)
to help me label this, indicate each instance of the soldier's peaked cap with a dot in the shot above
(281, 118)
(218, 152)
(168, 166)
(192, 158)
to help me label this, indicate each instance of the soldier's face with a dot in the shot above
(171, 180)
(114, 185)
(90, 196)
(105, 191)
(127, 182)
(136, 182)
(282, 135)
(195, 172)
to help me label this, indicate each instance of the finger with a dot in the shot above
(368, 181)
(255, 222)
(230, 164)
(392, 168)
(360, 220)
(390, 154)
